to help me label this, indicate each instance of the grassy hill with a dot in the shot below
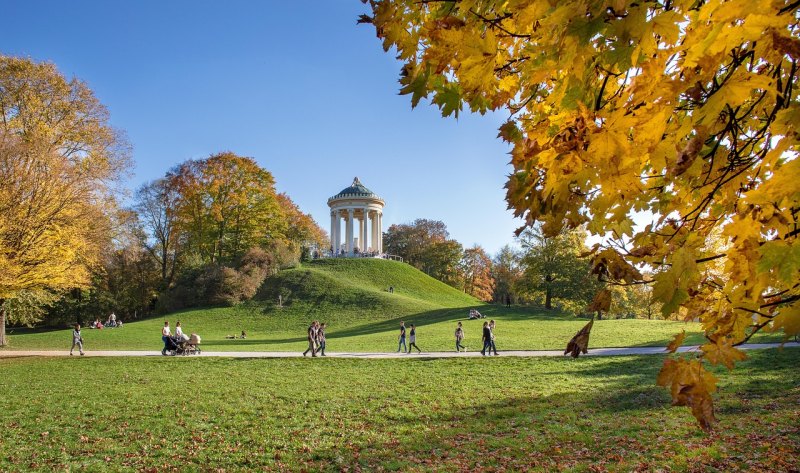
(351, 296)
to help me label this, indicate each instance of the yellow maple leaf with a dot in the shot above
(723, 352)
(676, 342)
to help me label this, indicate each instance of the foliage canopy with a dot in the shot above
(685, 111)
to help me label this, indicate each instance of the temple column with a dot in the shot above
(338, 230)
(380, 232)
(350, 231)
(373, 240)
(364, 223)
(333, 226)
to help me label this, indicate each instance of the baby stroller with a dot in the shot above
(191, 346)
(173, 345)
(474, 314)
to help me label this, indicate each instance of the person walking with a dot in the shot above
(312, 340)
(491, 338)
(77, 339)
(487, 339)
(321, 339)
(459, 338)
(165, 334)
(402, 342)
(412, 339)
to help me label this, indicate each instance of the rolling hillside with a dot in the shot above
(351, 296)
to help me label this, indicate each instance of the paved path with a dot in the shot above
(291, 354)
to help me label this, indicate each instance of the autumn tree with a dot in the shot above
(553, 269)
(156, 205)
(226, 204)
(476, 270)
(58, 159)
(686, 110)
(301, 229)
(426, 245)
(506, 273)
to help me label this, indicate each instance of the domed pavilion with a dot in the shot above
(356, 205)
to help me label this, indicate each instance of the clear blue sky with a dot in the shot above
(296, 85)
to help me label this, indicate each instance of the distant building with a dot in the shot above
(356, 204)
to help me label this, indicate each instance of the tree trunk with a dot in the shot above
(2, 324)
(599, 315)
(548, 298)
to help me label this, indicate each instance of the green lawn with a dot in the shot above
(415, 414)
(351, 296)
(518, 328)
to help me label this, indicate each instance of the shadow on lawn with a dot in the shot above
(498, 433)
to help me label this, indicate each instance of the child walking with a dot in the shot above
(77, 339)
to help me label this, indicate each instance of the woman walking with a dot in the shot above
(460, 338)
(77, 339)
(165, 334)
(321, 339)
(412, 339)
(491, 338)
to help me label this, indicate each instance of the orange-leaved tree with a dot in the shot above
(58, 160)
(684, 111)
(476, 267)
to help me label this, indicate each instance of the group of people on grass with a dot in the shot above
(112, 322)
(316, 339)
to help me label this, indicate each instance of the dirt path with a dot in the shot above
(289, 354)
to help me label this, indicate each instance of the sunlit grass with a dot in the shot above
(405, 415)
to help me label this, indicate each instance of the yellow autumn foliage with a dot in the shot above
(686, 112)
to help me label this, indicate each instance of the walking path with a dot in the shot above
(291, 354)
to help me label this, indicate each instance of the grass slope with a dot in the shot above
(351, 296)
(504, 414)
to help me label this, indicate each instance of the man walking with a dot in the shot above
(402, 342)
(312, 340)
(487, 339)
(459, 338)
(413, 339)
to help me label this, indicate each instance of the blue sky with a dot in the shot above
(296, 85)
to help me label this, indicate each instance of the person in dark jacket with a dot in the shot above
(487, 339)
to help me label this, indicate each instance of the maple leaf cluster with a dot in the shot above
(685, 113)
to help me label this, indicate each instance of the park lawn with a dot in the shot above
(351, 296)
(518, 328)
(413, 414)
